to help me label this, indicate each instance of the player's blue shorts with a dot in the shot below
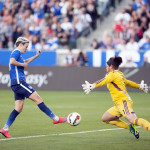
(22, 90)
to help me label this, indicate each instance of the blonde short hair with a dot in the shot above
(22, 40)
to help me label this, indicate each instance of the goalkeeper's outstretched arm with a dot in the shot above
(142, 86)
(87, 87)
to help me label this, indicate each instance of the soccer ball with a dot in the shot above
(74, 119)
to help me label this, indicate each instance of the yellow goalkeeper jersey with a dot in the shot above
(116, 83)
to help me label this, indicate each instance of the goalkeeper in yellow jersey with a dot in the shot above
(116, 83)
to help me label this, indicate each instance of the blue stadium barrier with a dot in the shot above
(4, 57)
(98, 58)
(95, 58)
(45, 59)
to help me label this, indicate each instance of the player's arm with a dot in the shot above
(14, 62)
(142, 86)
(87, 87)
(107, 79)
(130, 83)
(32, 58)
(14, 57)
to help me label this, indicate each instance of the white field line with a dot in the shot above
(59, 134)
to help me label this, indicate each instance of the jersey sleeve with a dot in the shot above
(107, 79)
(15, 54)
(131, 84)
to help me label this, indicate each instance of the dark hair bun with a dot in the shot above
(115, 61)
(118, 60)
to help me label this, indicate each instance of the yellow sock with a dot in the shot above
(143, 123)
(119, 123)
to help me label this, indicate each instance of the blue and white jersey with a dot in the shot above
(17, 75)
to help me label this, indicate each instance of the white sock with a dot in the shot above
(56, 118)
(6, 127)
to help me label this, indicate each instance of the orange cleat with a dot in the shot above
(61, 120)
(5, 133)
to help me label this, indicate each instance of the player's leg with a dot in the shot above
(143, 123)
(19, 102)
(30, 93)
(131, 117)
(138, 121)
(38, 100)
(112, 115)
(125, 107)
(18, 108)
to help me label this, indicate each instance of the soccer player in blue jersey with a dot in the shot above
(21, 89)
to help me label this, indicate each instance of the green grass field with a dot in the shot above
(38, 132)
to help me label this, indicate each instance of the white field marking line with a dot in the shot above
(82, 132)
(59, 134)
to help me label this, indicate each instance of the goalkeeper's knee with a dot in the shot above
(104, 120)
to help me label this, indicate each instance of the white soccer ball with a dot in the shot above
(74, 119)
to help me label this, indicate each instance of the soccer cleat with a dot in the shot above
(5, 133)
(134, 131)
(61, 120)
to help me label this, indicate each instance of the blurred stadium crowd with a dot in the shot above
(131, 31)
(47, 23)
(57, 24)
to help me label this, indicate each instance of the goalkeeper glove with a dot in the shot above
(143, 86)
(87, 87)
